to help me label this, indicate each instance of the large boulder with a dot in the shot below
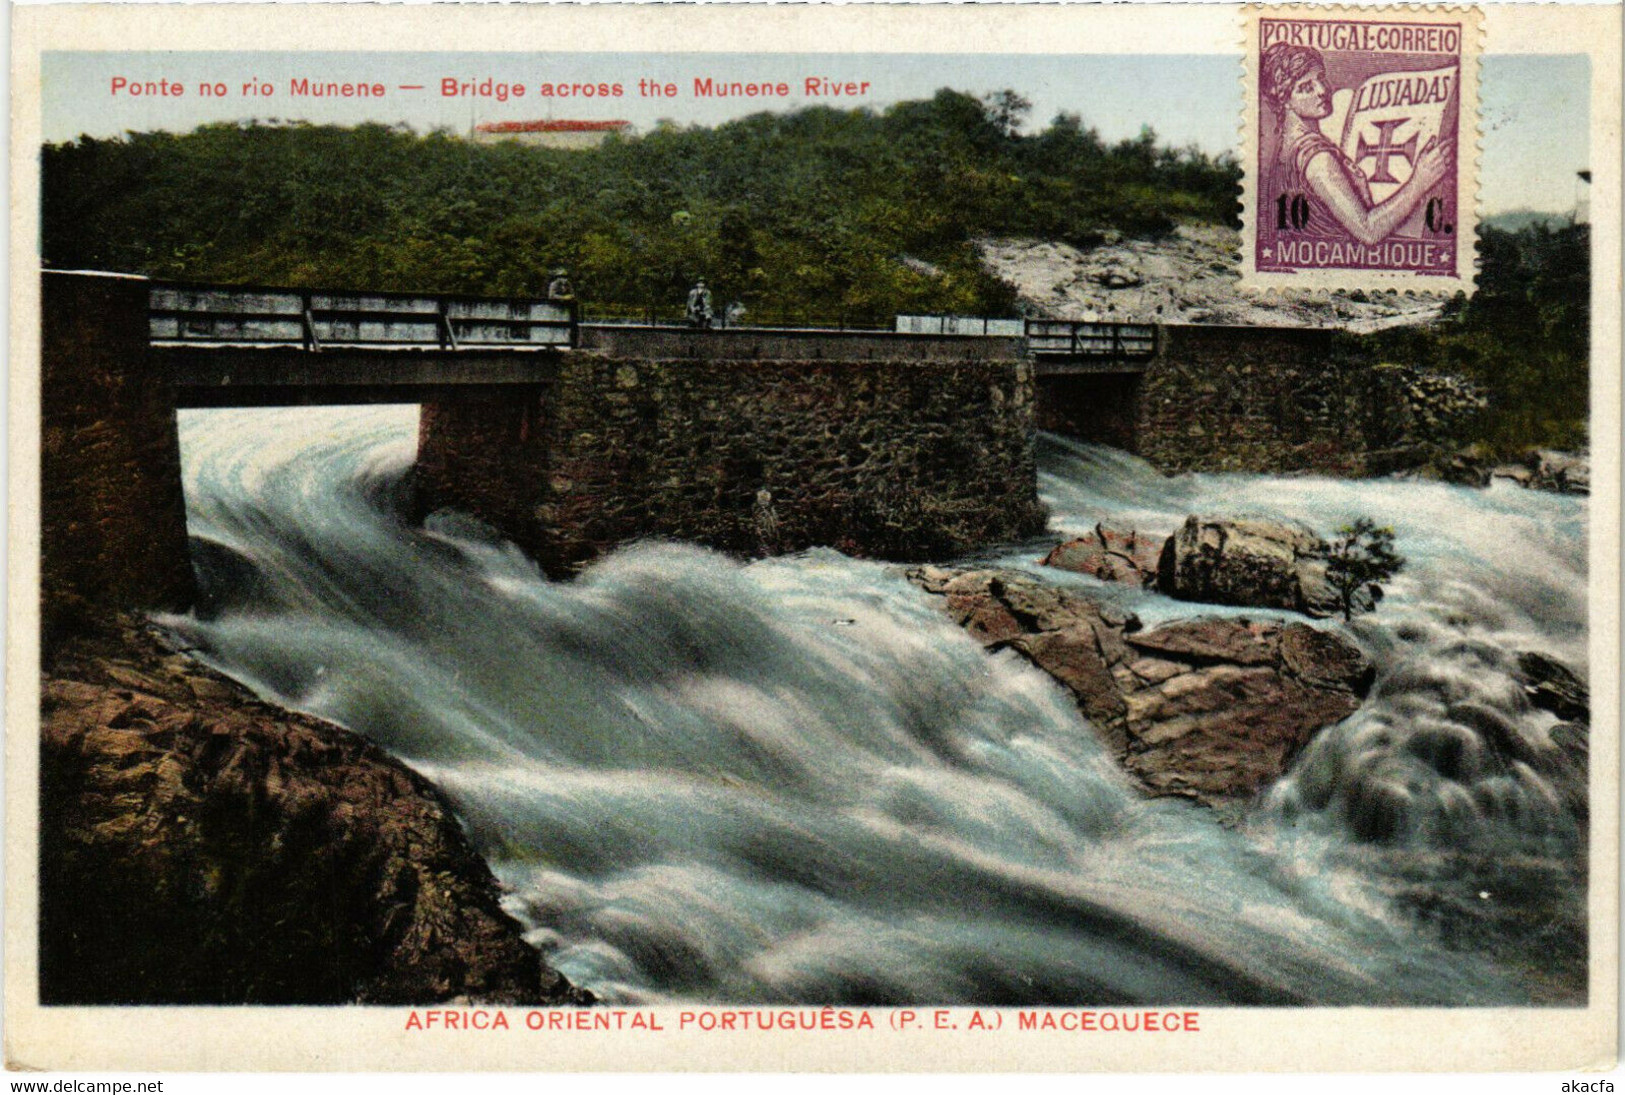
(200, 847)
(1209, 709)
(1110, 554)
(1468, 467)
(1077, 641)
(1247, 561)
(1115, 275)
(1224, 705)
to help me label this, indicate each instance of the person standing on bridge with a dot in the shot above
(699, 305)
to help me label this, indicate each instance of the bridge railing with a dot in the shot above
(1081, 338)
(315, 318)
(755, 316)
(959, 325)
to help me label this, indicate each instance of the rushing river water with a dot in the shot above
(795, 780)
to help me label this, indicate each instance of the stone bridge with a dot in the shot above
(572, 438)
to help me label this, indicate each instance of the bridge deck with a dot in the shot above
(1059, 365)
(265, 343)
(238, 375)
(317, 318)
(659, 343)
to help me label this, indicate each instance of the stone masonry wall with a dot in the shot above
(112, 511)
(1413, 418)
(1259, 399)
(484, 450)
(884, 458)
(1248, 399)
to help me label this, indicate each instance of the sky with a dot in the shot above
(1534, 108)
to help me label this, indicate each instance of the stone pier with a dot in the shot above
(879, 451)
(112, 511)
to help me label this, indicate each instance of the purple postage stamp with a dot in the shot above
(1360, 142)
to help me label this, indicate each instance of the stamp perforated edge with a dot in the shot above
(1469, 152)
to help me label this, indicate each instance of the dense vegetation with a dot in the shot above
(1524, 337)
(820, 212)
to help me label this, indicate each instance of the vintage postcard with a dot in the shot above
(792, 538)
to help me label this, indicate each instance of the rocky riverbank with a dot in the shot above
(1247, 561)
(1210, 709)
(198, 846)
(1534, 469)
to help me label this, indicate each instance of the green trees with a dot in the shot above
(1007, 109)
(814, 214)
(1524, 337)
(1361, 556)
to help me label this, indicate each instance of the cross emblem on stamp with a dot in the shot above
(1359, 142)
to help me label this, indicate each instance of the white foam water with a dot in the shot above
(793, 780)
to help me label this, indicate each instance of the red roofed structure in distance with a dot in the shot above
(551, 133)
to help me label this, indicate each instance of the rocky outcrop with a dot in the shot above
(1535, 469)
(1110, 554)
(1548, 469)
(1553, 686)
(1468, 467)
(1186, 276)
(198, 846)
(1210, 709)
(1115, 275)
(1252, 562)
(1413, 414)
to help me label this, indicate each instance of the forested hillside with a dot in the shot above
(1524, 337)
(815, 213)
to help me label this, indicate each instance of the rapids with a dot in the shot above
(793, 780)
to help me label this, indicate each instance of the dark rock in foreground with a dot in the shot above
(1566, 760)
(1211, 709)
(198, 846)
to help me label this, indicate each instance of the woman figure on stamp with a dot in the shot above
(1307, 164)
